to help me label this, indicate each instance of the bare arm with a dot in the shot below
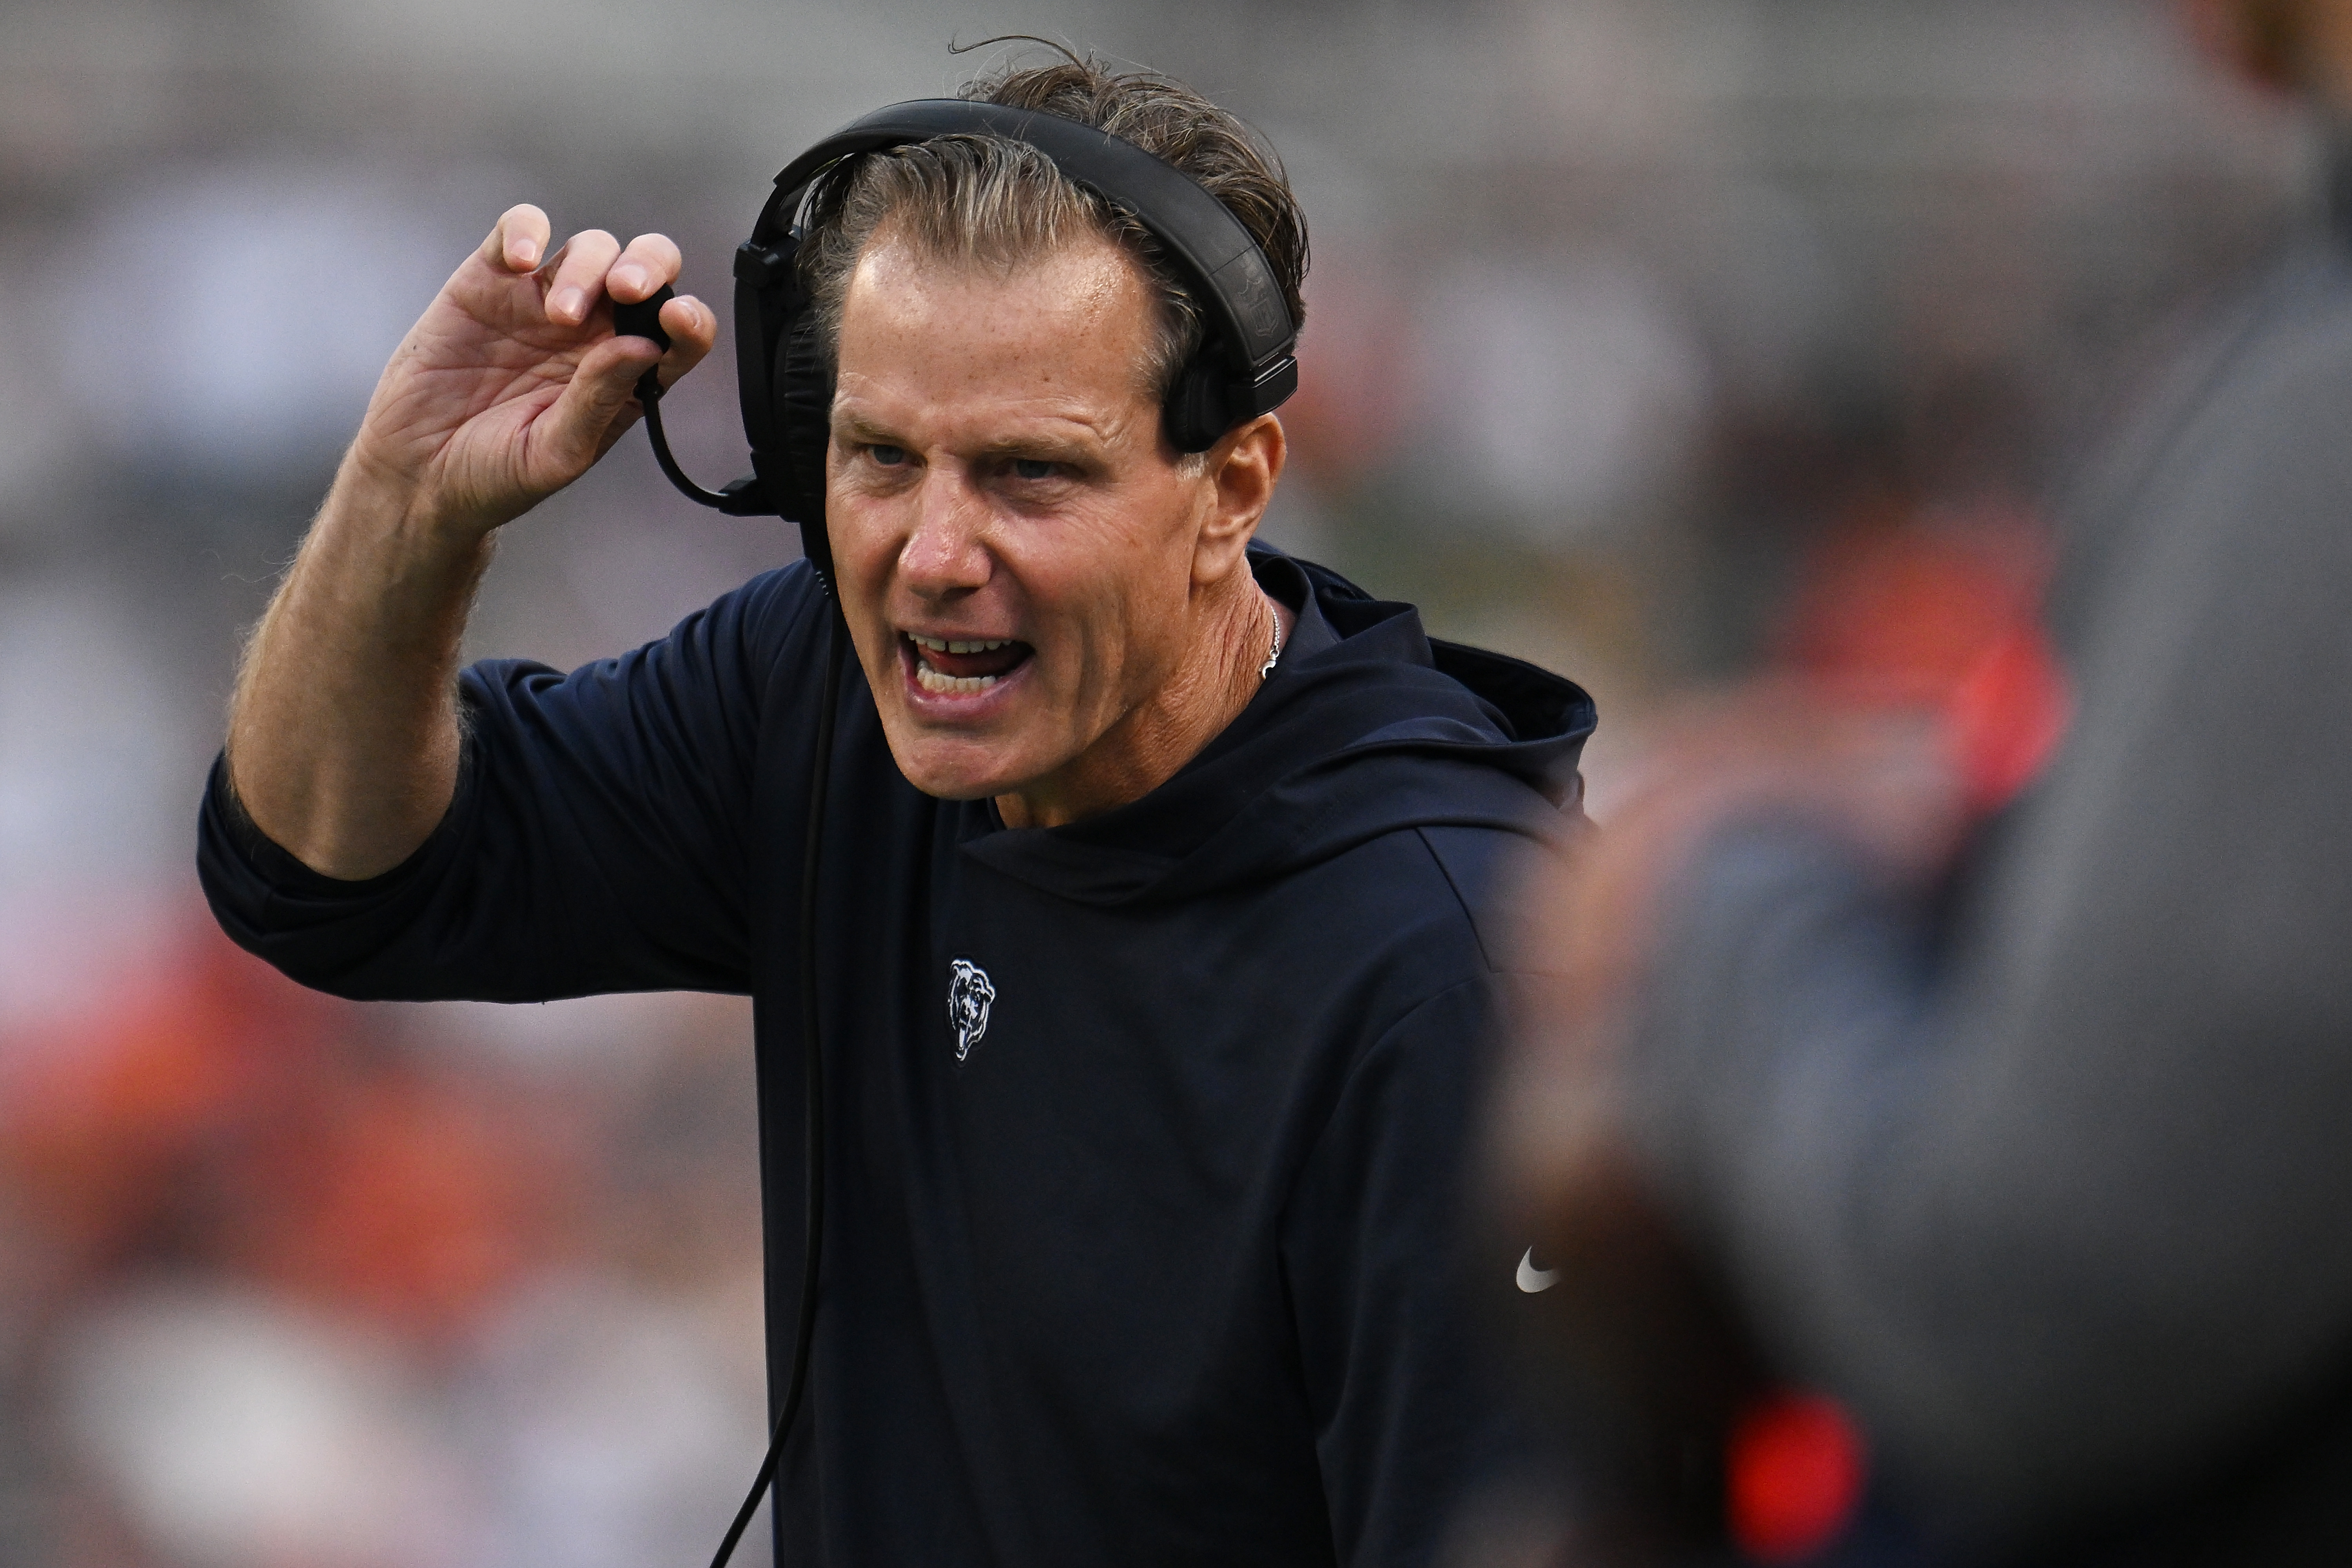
(344, 738)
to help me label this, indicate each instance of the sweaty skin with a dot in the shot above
(1037, 504)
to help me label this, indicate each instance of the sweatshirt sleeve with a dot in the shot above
(2057, 1201)
(598, 840)
(1408, 1413)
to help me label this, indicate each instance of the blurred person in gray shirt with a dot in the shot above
(2027, 1139)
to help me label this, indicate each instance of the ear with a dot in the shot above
(1241, 471)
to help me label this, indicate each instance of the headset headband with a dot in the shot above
(1239, 287)
(1245, 367)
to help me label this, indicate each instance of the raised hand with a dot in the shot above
(512, 385)
(343, 739)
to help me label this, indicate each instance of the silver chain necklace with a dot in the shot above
(1274, 657)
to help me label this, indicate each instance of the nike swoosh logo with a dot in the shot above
(1532, 1278)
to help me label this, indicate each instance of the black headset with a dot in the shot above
(1246, 367)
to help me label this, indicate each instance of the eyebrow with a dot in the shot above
(861, 429)
(1058, 450)
(1064, 450)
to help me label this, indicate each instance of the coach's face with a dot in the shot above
(1036, 582)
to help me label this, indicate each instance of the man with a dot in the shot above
(2029, 1144)
(1153, 906)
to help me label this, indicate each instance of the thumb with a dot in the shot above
(576, 429)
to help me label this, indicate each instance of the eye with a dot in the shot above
(1033, 469)
(888, 456)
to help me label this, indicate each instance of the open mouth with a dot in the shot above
(950, 667)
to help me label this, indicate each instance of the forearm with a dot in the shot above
(344, 736)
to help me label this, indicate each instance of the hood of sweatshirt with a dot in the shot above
(1367, 726)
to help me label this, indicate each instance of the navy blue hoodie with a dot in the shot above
(1146, 1135)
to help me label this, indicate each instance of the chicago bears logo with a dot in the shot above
(970, 991)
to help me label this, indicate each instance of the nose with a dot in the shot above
(944, 556)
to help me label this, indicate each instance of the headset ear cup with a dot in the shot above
(804, 429)
(1194, 413)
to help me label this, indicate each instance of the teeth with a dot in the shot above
(939, 644)
(931, 680)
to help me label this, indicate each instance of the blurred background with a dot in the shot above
(1651, 340)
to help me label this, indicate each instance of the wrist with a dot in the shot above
(392, 499)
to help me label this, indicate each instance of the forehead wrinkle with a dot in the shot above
(1102, 289)
(897, 270)
(950, 360)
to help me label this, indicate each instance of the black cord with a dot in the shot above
(812, 1058)
(649, 395)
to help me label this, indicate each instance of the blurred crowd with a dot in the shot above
(1652, 340)
(294, 1282)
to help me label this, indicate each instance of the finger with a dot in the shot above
(650, 261)
(517, 239)
(692, 330)
(591, 410)
(578, 276)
